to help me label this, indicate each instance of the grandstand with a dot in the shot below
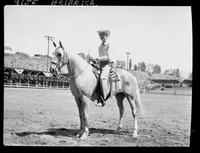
(32, 78)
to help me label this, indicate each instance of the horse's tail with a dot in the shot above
(138, 103)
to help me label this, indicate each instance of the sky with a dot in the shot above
(153, 34)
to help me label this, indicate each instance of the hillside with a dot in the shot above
(24, 61)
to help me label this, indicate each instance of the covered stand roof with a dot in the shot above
(9, 69)
(187, 81)
(28, 71)
(34, 74)
(19, 71)
(47, 74)
(163, 78)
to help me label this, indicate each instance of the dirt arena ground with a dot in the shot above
(48, 117)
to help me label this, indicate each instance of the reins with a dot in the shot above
(70, 76)
(81, 72)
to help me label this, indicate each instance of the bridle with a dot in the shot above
(68, 76)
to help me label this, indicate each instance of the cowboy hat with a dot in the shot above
(100, 32)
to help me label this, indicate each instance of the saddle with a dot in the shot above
(106, 77)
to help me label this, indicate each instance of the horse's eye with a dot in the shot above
(58, 54)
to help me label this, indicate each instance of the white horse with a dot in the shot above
(83, 83)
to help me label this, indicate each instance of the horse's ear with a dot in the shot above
(61, 44)
(54, 44)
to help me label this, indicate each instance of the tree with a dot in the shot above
(135, 67)
(130, 64)
(156, 69)
(143, 66)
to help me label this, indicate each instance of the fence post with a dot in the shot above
(20, 82)
(174, 89)
(36, 81)
(63, 84)
(11, 82)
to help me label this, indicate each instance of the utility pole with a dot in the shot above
(127, 55)
(48, 38)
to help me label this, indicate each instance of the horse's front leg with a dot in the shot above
(83, 114)
(79, 105)
(85, 118)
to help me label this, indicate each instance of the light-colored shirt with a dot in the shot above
(103, 51)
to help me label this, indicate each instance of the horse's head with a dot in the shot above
(59, 61)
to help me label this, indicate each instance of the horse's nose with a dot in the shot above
(51, 70)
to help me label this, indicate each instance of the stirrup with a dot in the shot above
(100, 101)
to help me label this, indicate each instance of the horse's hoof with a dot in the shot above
(84, 136)
(135, 135)
(77, 135)
(119, 128)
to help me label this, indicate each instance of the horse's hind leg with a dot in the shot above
(120, 97)
(133, 109)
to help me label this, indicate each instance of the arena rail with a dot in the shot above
(33, 86)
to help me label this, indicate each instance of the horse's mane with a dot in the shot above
(76, 61)
(79, 67)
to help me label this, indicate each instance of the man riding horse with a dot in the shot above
(84, 81)
(104, 59)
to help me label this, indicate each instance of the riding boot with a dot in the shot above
(100, 99)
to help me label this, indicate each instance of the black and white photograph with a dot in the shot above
(97, 76)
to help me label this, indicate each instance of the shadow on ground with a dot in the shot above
(69, 132)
